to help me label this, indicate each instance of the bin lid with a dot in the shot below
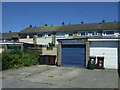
(92, 56)
(43, 55)
(100, 57)
(53, 55)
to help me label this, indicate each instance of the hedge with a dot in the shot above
(18, 59)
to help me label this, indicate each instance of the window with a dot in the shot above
(70, 34)
(82, 33)
(109, 32)
(60, 34)
(49, 35)
(30, 35)
(78, 34)
(39, 35)
(94, 33)
(23, 35)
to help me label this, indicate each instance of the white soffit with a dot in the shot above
(103, 39)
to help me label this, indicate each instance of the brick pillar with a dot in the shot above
(5, 47)
(87, 52)
(75, 35)
(100, 33)
(54, 38)
(22, 47)
(35, 40)
(59, 53)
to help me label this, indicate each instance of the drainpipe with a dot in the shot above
(119, 58)
(53, 37)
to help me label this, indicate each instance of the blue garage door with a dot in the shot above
(73, 55)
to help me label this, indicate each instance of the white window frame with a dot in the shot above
(58, 35)
(79, 33)
(94, 33)
(69, 34)
(41, 36)
(108, 34)
(50, 35)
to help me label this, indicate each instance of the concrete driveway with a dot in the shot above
(44, 76)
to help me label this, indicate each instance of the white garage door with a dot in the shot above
(107, 49)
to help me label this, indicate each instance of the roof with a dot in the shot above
(11, 43)
(8, 35)
(74, 27)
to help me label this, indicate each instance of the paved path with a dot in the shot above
(43, 76)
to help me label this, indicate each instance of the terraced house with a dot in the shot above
(77, 42)
(50, 34)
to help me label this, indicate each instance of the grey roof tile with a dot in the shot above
(8, 35)
(74, 27)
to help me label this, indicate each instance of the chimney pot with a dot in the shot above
(30, 25)
(45, 24)
(63, 23)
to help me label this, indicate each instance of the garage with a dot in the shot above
(107, 49)
(73, 55)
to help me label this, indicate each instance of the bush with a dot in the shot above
(50, 46)
(18, 59)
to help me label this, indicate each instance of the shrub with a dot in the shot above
(18, 59)
(50, 46)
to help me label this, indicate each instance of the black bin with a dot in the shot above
(119, 70)
(91, 63)
(44, 59)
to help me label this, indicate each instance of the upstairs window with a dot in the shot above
(39, 35)
(82, 33)
(49, 35)
(60, 34)
(109, 32)
(23, 35)
(70, 34)
(94, 33)
(30, 35)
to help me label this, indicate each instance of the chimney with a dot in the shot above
(63, 23)
(69, 23)
(103, 21)
(30, 25)
(45, 24)
(82, 22)
(10, 31)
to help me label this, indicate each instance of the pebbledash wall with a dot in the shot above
(44, 40)
(49, 52)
